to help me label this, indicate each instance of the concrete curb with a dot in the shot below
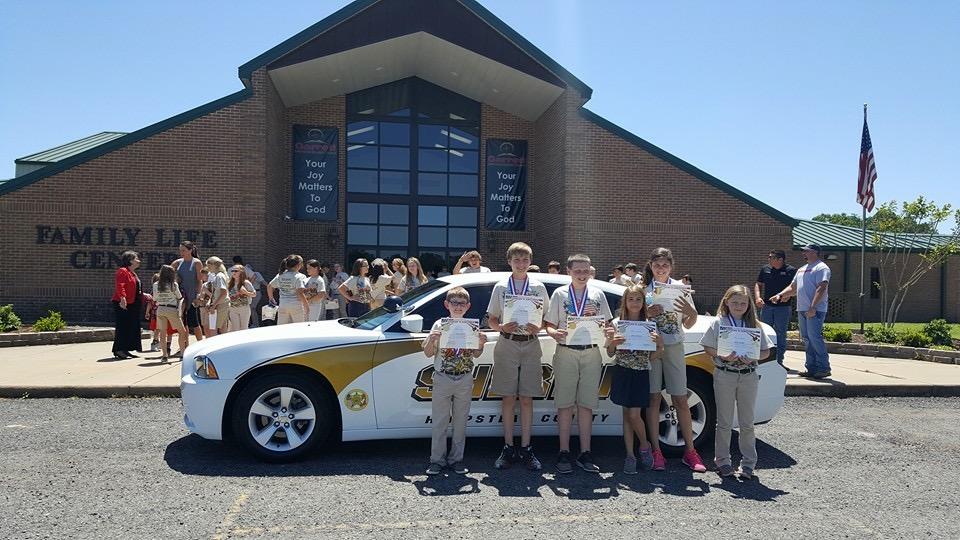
(19, 392)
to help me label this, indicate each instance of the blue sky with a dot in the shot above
(765, 96)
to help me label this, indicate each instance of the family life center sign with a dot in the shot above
(315, 169)
(506, 180)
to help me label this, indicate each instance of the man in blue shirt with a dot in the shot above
(773, 278)
(810, 285)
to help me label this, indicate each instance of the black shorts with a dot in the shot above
(630, 387)
(193, 317)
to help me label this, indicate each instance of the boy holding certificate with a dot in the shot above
(516, 311)
(735, 378)
(452, 383)
(577, 319)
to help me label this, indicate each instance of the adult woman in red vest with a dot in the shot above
(127, 307)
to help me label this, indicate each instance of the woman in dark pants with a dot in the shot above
(127, 307)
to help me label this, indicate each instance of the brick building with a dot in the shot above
(381, 130)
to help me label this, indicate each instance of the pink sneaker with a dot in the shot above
(692, 459)
(659, 462)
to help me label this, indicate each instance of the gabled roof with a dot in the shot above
(687, 167)
(830, 236)
(355, 8)
(64, 151)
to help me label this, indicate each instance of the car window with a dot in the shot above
(434, 310)
(376, 317)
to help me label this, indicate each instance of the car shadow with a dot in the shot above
(405, 461)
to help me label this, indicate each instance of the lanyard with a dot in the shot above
(733, 322)
(578, 305)
(523, 290)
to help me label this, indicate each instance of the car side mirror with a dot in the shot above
(412, 323)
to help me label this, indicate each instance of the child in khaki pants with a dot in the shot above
(452, 388)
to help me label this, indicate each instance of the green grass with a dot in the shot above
(899, 327)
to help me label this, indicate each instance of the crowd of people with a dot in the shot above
(204, 298)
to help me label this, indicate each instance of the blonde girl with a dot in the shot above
(167, 295)
(399, 272)
(630, 383)
(218, 310)
(415, 276)
(241, 291)
(671, 371)
(735, 381)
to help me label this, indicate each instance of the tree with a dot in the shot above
(895, 237)
(882, 214)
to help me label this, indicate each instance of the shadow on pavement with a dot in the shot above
(405, 461)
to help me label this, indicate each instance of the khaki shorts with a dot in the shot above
(223, 316)
(576, 377)
(672, 369)
(167, 315)
(516, 368)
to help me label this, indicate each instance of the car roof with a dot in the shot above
(484, 278)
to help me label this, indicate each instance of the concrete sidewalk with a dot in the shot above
(89, 370)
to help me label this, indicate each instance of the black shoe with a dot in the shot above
(563, 462)
(120, 355)
(529, 459)
(585, 462)
(508, 455)
(806, 374)
(821, 375)
(131, 355)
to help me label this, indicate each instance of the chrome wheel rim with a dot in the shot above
(670, 433)
(281, 419)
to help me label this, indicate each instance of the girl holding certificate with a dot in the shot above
(630, 385)
(735, 378)
(671, 372)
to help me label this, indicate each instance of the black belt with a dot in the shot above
(518, 337)
(740, 371)
(577, 347)
(455, 373)
(168, 305)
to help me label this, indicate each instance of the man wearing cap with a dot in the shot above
(773, 278)
(809, 285)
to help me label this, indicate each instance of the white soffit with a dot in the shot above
(416, 55)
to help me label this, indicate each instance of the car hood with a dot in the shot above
(235, 352)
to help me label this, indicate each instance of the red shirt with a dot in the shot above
(125, 285)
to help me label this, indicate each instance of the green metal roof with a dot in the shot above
(830, 236)
(69, 149)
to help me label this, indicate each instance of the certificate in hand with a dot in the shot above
(638, 335)
(459, 333)
(585, 330)
(523, 309)
(664, 294)
(742, 341)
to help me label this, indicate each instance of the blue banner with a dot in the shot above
(506, 181)
(315, 173)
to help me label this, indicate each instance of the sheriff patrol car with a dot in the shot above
(281, 391)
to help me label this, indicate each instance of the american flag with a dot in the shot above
(868, 169)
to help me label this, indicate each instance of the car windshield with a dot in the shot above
(374, 318)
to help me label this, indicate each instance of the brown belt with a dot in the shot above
(518, 337)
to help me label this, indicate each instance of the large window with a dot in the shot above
(413, 172)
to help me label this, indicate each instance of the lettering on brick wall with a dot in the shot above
(113, 241)
(506, 181)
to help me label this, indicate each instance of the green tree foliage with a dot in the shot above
(882, 214)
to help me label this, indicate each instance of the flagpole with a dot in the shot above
(863, 240)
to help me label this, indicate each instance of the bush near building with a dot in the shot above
(8, 319)
(51, 323)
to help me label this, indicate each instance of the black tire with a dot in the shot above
(305, 391)
(699, 384)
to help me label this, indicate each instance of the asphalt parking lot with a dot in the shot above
(862, 468)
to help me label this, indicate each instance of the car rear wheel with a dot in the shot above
(702, 411)
(282, 417)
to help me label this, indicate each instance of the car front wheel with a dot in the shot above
(702, 411)
(281, 417)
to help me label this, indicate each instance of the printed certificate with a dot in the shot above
(742, 341)
(522, 309)
(585, 330)
(638, 334)
(664, 294)
(459, 333)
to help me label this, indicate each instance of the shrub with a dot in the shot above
(942, 347)
(793, 326)
(938, 331)
(913, 338)
(8, 319)
(880, 334)
(838, 334)
(51, 323)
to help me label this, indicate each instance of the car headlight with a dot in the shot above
(203, 368)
